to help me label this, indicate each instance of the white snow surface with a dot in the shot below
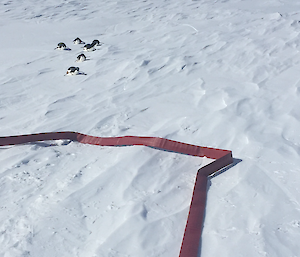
(222, 73)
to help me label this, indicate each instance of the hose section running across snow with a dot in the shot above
(193, 230)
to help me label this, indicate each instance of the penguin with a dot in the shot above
(73, 71)
(61, 46)
(96, 42)
(89, 47)
(81, 58)
(78, 41)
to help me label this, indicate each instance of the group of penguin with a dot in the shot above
(80, 58)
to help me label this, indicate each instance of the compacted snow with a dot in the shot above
(222, 74)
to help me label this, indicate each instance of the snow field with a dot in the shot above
(62, 199)
(222, 74)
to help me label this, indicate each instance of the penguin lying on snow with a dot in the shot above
(78, 41)
(62, 46)
(81, 58)
(90, 47)
(74, 71)
(96, 42)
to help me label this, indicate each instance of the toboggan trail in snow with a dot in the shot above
(193, 230)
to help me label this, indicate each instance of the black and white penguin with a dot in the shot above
(61, 46)
(78, 41)
(81, 58)
(89, 47)
(73, 71)
(96, 43)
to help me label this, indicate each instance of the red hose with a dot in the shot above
(193, 230)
